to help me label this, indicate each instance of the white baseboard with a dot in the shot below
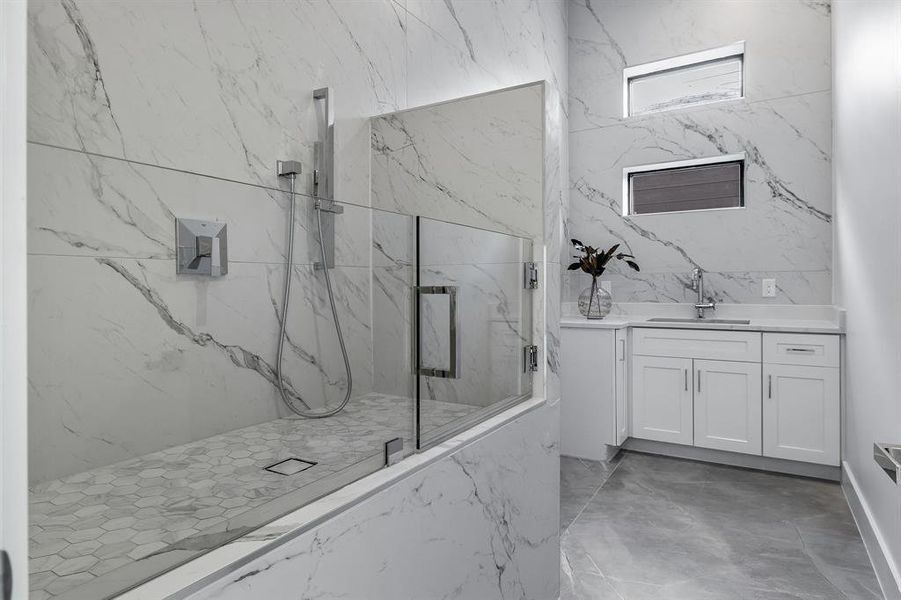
(735, 459)
(883, 565)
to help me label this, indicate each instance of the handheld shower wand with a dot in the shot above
(290, 169)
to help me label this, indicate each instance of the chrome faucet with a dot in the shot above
(697, 284)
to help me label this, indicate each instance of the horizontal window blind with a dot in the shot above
(702, 187)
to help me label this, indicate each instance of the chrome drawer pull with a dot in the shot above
(801, 350)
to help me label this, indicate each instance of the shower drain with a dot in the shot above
(290, 466)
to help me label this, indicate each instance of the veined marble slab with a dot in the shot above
(128, 358)
(168, 84)
(784, 229)
(495, 483)
(782, 125)
(88, 205)
(787, 46)
(85, 527)
(475, 161)
(473, 46)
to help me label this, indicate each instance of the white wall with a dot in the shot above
(867, 155)
(13, 305)
(783, 125)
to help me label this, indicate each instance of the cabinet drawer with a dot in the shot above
(743, 346)
(814, 350)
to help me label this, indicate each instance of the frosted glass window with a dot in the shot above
(699, 78)
(681, 189)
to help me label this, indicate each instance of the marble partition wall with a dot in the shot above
(782, 125)
(475, 164)
(495, 312)
(480, 523)
(475, 161)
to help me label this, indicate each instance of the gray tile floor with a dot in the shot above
(86, 525)
(654, 527)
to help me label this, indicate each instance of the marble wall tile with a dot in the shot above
(786, 223)
(492, 316)
(117, 344)
(735, 287)
(552, 332)
(476, 161)
(392, 330)
(474, 46)
(90, 205)
(222, 89)
(507, 43)
(787, 48)
(501, 493)
(783, 127)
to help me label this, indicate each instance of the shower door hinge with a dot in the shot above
(530, 359)
(530, 275)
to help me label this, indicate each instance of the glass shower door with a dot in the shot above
(473, 326)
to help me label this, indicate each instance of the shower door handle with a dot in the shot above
(453, 329)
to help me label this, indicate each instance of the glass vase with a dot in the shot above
(595, 302)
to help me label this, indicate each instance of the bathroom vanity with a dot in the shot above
(762, 393)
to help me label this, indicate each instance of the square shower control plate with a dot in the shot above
(201, 248)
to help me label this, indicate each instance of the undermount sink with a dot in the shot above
(696, 320)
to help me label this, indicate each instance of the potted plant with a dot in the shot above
(595, 302)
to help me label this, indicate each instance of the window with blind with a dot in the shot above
(673, 188)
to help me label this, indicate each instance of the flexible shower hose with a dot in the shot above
(289, 267)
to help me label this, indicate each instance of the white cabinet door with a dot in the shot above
(727, 406)
(801, 413)
(587, 404)
(623, 418)
(661, 399)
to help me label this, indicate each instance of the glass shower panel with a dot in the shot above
(158, 430)
(474, 325)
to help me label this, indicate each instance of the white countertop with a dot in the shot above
(772, 318)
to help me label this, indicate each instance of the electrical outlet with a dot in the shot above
(769, 288)
(607, 286)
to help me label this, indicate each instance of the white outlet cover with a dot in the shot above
(769, 288)
(607, 285)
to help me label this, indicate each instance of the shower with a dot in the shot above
(323, 172)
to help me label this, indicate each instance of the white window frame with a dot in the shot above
(685, 60)
(678, 164)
